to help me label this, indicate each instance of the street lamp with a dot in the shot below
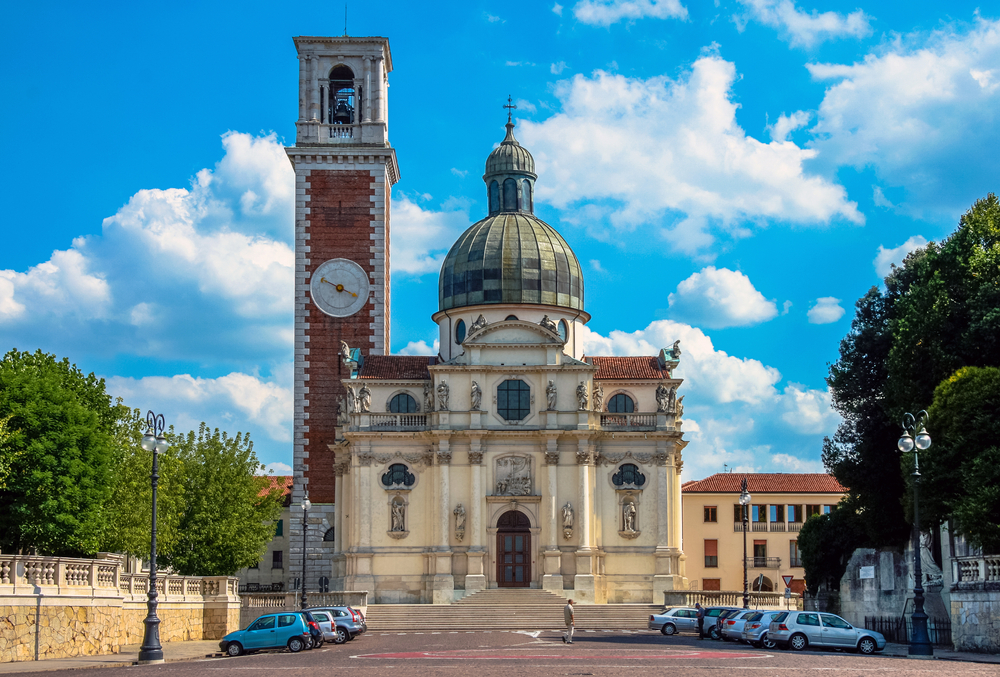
(916, 439)
(745, 507)
(305, 526)
(154, 441)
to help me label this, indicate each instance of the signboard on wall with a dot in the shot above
(867, 572)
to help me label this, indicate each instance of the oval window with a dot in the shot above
(563, 330)
(460, 332)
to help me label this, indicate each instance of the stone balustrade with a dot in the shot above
(758, 600)
(253, 605)
(978, 571)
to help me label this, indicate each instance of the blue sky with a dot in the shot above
(734, 174)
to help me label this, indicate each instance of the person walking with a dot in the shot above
(568, 617)
(700, 610)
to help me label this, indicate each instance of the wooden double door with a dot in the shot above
(513, 550)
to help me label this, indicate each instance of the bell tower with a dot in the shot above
(344, 172)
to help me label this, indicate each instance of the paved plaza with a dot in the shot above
(485, 654)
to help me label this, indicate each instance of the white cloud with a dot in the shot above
(421, 348)
(66, 284)
(595, 265)
(495, 19)
(421, 237)
(519, 63)
(460, 173)
(718, 298)
(809, 411)
(785, 307)
(879, 198)
(827, 309)
(525, 105)
(807, 29)
(557, 8)
(885, 258)
(607, 12)
(277, 469)
(557, 68)
(787, 124)
(787, 463)
(626, 151)
(917, 113)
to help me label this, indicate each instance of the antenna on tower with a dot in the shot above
(345, 19)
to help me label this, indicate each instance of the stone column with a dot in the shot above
(314, 88)
(552, 572)
(585, 583)
(667, 574)
(303, 88)
(364, 507)
(378, 87)
(443, 587)
(341, 500)
(366, 92)
(475, 578)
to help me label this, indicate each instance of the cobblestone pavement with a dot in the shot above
(486, 654)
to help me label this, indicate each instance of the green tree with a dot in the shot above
(229, 514)
(60, 442)
(961, 471)
(826, 543)
(7, 452)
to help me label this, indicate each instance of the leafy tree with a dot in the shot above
(826, 543)
(961, 470)
(59, 446)
(229, 513)
(7, 453)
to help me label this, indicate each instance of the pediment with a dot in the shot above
(514, 333)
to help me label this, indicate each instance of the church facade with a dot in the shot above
(510, 459)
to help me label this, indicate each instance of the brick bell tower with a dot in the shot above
(344, 172)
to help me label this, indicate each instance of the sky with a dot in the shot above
(733, 174)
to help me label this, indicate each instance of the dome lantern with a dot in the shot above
(510, 174)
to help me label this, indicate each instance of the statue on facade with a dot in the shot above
(460, 522)
(581, 396)
(365, 399)
(550, 396)
(928, 567)
(352, 400)
(680, 406)
(599, 398)
(662, 398)
(628, 517)
(480, 323)
(549, 324)
(398, 517)
(567, 520)
(442, 393)
(345, 351)
(513, 476)
(477, 396)
(675, 351)
(342, 417)
(428, 397)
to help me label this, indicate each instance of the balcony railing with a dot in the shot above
(339, 132)
(764, 562)
(628, 421)
(769, 526)
(980, 569)
(398, 421)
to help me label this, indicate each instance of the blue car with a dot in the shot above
(273, 631)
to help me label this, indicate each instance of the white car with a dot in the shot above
(672, 621)
(755, 629)
(799, 629)
(732, 627)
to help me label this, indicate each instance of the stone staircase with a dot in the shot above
(507, 609)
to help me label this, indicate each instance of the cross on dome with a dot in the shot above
(510, 108)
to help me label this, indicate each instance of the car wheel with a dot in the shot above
(339, 636)
(234, 649)
(867, 646)
(309, 643)
(714, 633)
(296, 644)
(668, 629)
(318, 643)
(798, 642)
(767, 643)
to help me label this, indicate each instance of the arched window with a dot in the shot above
(513, 400)
(629, 474)
(340, 104)
(328, 536)
(621, 404)
(511, 317)
(526, 196)
(402, 404)
(460, 332)
(494, 197)
(510, 195)
(564, 331)
(398, 474)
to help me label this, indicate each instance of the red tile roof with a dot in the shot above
(283, 481)
(627, 368)
(766, 483)
(394, 367)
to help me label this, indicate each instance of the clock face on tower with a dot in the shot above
(339, 287)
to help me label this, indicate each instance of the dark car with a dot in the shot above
(315, 631)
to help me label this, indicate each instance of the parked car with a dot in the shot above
(732, 626)
(271, 631)
(755, 629)
(712, 614)
(674, 620)
(339, 623)
(315, 632)
(799, 629)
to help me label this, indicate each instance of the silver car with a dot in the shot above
(672, 621)
(732, 627)
(755, 629)
(799, 629)
(338, 624)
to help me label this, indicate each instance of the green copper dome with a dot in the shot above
(511, 257)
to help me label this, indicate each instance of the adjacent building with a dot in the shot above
(780, 504)
(271, 573)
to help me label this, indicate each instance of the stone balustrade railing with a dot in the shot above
(635, 421)
(734, 598)
(981, 570)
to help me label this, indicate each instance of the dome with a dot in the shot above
(509, 157)
(511, 257)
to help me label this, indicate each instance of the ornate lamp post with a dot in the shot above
(916, 439)
(305, 526)
(154, 441)
(745, 508)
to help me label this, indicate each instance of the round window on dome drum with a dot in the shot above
(460, 332)
(511, 317)
(513, 400)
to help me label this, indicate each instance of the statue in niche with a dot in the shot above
(365, 399)
(480, 323)
(581, 396)
(928, 567)
(672, 400)
(460, 522)
(628, 517)
(549, 324)
(675, 350)
(567, 520)
(428, 398)
(398, 516)
(662, 399)
(599, 398)
(352, 400)
(550, 395)
(680, 406)
(442, 393)
(342, 417)
(477, 396)
(345, 351)
(513, 476)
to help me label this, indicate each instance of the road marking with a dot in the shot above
(506, 655)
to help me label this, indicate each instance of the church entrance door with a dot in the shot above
(513, 550)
